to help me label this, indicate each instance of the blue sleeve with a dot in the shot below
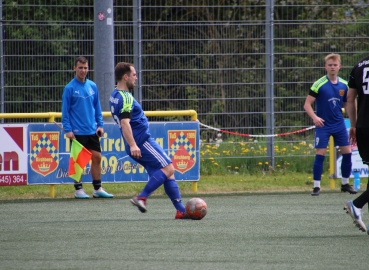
(65, 109)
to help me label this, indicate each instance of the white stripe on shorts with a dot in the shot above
(155, 153)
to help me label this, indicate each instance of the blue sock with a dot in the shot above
(346, 165)
(155, 181)
(318, 167)
(172, 189)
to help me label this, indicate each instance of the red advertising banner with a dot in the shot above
(13, 153)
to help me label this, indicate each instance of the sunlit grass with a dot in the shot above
(250, 156)
(225, 167)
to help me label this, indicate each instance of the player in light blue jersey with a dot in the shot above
(330, 95)
(140, 146)
(82, 121)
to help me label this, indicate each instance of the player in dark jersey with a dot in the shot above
(329, 93)
(140, 146)
(359, 130)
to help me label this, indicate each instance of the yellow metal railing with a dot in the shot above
(52, 115)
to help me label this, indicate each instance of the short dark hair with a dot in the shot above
(121, 69)
(80, 59)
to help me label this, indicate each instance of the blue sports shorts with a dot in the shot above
(153, 156)
(340, 136)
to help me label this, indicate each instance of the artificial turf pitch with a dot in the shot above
(252, 231)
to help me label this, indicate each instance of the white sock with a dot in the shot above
(317, 183)
(344, 181)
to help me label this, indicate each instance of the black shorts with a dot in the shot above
(91, 142)
(362, 135)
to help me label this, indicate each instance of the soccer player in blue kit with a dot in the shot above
(139, 144)
(330, 95)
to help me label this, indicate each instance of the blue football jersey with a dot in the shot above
(329, 100)
(122, 101)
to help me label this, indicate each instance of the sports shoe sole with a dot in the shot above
(139, 205)
(315, 193)
(351, 191)
(358, 223)
(181, 216)
(81, 198)
(103, 197)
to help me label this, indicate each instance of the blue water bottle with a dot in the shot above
(356, 179)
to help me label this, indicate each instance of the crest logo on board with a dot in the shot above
(182, 149)
(44, 152)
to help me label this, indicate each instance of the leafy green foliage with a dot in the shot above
(203, 55)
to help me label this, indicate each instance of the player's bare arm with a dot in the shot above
(319, 122)
(128, 136)
(351, 111)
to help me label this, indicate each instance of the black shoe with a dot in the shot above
(315, 192)
(348, 188)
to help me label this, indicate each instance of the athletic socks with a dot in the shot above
(172, 189)
(318, 169)
(346, 168)
(170, 186)
(96, 184)
(155, 181)
(77, 186)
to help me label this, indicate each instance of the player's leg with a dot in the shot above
(346, 165)
(318, 170)
(172, 190)
(93, 145)
(321, 142)
(354, 207)
(79, 191)
(156, 179)
(362, 135)
(161, 171)
(153, 159)
(341, 139)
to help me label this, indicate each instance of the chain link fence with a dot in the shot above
(244, 66)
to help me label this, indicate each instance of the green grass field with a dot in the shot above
(245, 231)
(208, 184)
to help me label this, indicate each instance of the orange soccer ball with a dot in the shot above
(196, 208)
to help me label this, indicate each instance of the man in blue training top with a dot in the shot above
(139, 144)
(330, 95)
(82, 120)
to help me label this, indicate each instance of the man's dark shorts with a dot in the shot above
(362, 138)
(91, 142)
